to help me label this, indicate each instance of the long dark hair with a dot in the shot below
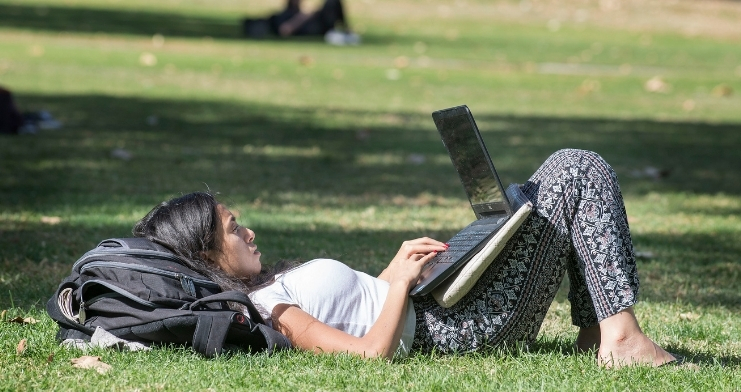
(188, 226)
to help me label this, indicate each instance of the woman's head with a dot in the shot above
(206, 236)
(237, 254)
(187, 225)
(205, 233)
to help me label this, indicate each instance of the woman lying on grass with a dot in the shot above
(579, 226)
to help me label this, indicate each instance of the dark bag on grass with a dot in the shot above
(10, 119)
(139, 291)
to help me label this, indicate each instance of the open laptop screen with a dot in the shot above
(469, 156)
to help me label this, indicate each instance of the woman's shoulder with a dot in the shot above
(319, 263)
(316, 266)
(312, 276)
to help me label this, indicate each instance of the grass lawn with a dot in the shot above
(331, 152)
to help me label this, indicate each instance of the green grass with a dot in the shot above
(311, 145)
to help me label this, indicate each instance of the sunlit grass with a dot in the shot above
(331, 152)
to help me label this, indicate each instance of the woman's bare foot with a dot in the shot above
(588, 339)
(633, 351)
(624, 344)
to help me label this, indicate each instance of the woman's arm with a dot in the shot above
(308, 333)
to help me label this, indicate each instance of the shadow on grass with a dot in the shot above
(699, 269)
(566, 347)
(93, 20)
(345, 160)
(257, 151)
(34, 252)
(147, 23)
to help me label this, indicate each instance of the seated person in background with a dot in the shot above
(328, 21)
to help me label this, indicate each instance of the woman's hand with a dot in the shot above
(409, 260)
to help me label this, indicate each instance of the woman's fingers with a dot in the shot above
(420, 256)
(410, 249)
(420, 260)
(423, 258)
(425, 240)
(417, 252)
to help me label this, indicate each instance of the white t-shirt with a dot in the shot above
(336, 295)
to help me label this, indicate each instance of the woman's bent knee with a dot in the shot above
(576, 157)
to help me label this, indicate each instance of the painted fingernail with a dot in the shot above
(447, 245)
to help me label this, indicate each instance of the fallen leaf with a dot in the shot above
(21, 348)
(158, 40)
(3, 314)
(148, 59)
(306, 61)
(50, 358)
(401, 62)
(656, 85)
(90, 362)
(689, 316)
(589, 86)
(36, 50)
(51, 220)
(21, 320)
(722, 90)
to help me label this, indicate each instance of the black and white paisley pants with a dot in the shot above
(579, 225)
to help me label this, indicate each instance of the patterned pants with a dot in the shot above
(579, 225)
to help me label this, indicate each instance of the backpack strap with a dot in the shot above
(274, 339)
(233, 296)
(211, 331)
(210, 334)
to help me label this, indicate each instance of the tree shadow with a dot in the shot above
(95, 20)
(272, 156)
(146, 23)
(698, 269)
(292, 150)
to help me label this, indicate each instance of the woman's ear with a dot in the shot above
(209, 256)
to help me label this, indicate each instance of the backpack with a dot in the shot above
(139, 291)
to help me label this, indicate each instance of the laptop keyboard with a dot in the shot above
(465, 240)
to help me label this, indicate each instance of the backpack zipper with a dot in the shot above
(115, 289)
(82, 315)
(149, 254)
(187, 286)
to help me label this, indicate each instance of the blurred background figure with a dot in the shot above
(10, 118)
(12, 121)
(328, 21)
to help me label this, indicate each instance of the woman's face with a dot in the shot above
(239, 256)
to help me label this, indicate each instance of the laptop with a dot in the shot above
(485, 193)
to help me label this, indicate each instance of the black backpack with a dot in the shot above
(140, 291)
